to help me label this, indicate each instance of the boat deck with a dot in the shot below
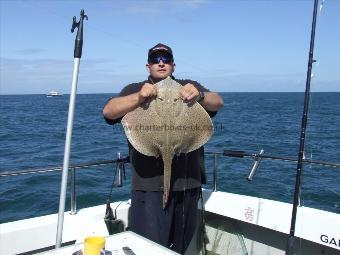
(235, 224)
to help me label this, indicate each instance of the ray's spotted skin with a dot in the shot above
(166, 126)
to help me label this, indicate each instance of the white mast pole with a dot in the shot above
(77, 55)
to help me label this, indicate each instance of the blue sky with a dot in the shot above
(225, 45)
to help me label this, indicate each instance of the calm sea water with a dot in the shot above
(33, 130)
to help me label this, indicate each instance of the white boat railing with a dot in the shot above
(73, 167)
(121, 161)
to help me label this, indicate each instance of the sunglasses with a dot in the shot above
(157, 59)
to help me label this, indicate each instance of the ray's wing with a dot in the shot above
(139, 126)
(196, 127)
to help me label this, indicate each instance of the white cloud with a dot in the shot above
(31, 51)
(21, 76)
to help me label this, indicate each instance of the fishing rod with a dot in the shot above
(297, 192)
(78, 48)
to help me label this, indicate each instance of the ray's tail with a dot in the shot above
(167, 161)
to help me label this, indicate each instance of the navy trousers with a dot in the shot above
(173, 226)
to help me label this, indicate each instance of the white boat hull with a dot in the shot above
(262, 224)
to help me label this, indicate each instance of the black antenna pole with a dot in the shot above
(78, 45)
(291, 239)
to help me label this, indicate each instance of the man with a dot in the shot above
(174, 225)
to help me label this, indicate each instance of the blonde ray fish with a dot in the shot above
(166, 126)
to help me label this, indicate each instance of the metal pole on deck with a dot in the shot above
(78, 47)
(290, 250)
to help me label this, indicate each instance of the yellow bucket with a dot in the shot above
(93, 245)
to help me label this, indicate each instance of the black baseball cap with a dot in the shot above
(160, 47)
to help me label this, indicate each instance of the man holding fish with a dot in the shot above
(165, 186)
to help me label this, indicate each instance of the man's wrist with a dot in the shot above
(200, 96)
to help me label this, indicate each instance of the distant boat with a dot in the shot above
(53, 94)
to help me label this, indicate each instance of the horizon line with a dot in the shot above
(95, 93)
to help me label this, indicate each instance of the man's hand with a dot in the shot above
(189, 93)
(148, 90)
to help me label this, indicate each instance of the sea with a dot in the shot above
(33, 128)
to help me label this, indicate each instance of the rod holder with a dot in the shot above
(120, 171)
(257, 159)
(215, 173)
(73, 192)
